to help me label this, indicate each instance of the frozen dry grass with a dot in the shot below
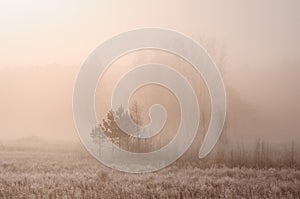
(68, 174)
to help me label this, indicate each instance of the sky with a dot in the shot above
(44, 43)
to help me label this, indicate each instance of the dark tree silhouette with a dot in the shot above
(109, 127)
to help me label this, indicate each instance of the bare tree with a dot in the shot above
(97, 137)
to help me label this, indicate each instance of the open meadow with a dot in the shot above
(73, 173)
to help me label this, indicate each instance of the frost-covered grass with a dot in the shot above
(77, 175)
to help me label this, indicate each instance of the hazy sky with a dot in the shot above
(64, 32)
(43, 44)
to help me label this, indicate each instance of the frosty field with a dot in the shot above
(75, 174)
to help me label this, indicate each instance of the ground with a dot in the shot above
(75, 174)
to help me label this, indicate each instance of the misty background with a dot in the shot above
(256, 45)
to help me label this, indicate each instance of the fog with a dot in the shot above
(255, 44)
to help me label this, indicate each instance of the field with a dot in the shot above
(74, 174)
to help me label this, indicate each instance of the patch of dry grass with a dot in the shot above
(77, 175)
